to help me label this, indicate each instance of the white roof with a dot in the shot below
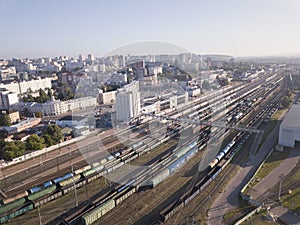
(292, 118)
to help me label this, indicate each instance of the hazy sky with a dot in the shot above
(35, 28)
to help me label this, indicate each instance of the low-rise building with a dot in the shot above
(7, 98)
(14, 116)
(56, 107)
(107, 98)
(193, 91)
(22, 125)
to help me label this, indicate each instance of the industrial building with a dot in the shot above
(289, 131)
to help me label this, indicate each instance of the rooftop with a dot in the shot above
(292, 118)
(72, 118)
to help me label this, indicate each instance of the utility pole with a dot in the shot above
(76, 200)
(280, 186)
(40, 218)
(1, 174)
(41, 159)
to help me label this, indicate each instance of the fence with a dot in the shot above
(40, 152)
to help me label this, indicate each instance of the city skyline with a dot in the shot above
(46, 29)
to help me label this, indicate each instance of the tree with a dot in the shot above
(68, 94)
(35, 142)
(48, 140)
(50, 94)
(43, 97)
(13, 150)
(2, 144)
(5, 120)
(55, 132)
(21, 146)
(39, 114)
(28, 98)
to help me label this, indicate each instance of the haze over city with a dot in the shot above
(239, 28)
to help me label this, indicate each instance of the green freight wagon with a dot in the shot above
(12, 205)
(41, 193)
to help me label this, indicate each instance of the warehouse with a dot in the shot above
(290, 127)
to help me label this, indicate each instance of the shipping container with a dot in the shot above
(47, 184)
(18, 196)
(176, 165)
(12, 205)
(213, 163)
(41, 193)
(70, 180)
(16, 213)
(190, 153)
(95, 214)
(121, 197)
(34, 189)
(159, 177)
(89, 172)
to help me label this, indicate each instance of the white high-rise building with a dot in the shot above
(128, 102)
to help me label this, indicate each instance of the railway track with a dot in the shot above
(111, 139)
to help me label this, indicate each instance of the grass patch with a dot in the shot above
(259, 219)
(277, 115)
(292, 201)
(271, 163)
(291, 182)
(232, 216)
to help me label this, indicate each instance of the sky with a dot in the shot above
(48, 28)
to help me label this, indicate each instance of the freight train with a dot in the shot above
(52, 189)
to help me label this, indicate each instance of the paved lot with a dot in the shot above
(285, 215)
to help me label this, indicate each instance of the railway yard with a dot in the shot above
(166, 169)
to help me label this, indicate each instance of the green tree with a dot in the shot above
(43, 97)
(21, 146)
(35, 142)
(68, 94)
(28, 98)
(2, 144)
(59, 95)
(8, 154)
(4, 120)
(39, 114)
(50, 94)
(13, 150)
(48, 140)
(55, 132)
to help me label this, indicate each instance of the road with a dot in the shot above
(228, 199)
